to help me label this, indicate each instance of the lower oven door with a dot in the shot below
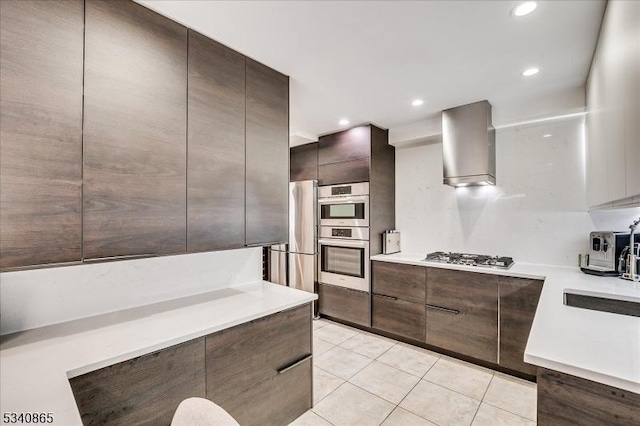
(344, 263)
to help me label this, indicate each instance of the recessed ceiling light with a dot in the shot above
(548, 135)
(417, 102)
(530, 71)
(524, 8)
(343, 122)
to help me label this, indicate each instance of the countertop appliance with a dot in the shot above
(605, 248)
(481, 260)
(468, 145)
(294, 264)
(390, 242)
(344, 257)
(344, 205)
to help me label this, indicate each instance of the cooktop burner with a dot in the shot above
(471, 259)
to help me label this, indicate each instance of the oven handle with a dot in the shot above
(344, 200)
(344, 243)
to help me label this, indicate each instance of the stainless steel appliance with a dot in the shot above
(390, 242)
(294, 264)
(605, 249)
(629, 265)
(343, 258)
(480, 260)
(344, 205)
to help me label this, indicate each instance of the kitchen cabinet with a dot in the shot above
(344, 304)
(135, 115)
(347, 145)
(143, 391)
(398, 299)
(518, 302)
(344, 172)
(216, 149)
(462, 312)
(564, 399)
(267, 155)
(260, 372)
(41, 66)
(303, 162)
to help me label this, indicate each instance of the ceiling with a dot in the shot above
(367, 60)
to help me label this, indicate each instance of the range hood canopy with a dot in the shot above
(468, 145)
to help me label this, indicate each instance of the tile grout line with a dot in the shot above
(482, 399)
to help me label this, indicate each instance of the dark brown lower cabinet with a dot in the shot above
(398, 317)
(568, 400)
(462, 313)
(144, 390)
(518, 301)
(344, 304)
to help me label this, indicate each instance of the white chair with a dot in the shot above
(201, 412)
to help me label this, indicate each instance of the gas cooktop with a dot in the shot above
(471, 259)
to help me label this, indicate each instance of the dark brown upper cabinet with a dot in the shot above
(216, 150)
(135, 126)
(303, 162)
(267, 155)
(348, 145)
(40, 132)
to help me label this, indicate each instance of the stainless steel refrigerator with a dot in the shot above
(294, 264)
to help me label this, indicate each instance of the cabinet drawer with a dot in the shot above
(344, 303)
(518, 302)
(344, 146)
(398, 317)
(406, 282)
(241, 356)
(276, 401)
(344, 172)
(462, 312)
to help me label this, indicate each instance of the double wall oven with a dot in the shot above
(343, 243)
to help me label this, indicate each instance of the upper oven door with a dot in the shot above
(344, 211)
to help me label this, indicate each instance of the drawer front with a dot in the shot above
(276, 401)
(142, 391)
(518, 302)
(398, 317)
(462, 313)
(344, 303)
(239, 357)
(406, 282)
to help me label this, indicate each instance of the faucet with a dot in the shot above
(632, 273)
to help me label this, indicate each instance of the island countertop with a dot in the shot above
(36, 365)
(598, 346)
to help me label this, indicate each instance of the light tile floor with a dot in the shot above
(363, 379)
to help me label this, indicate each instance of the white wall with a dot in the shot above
(536, 213)
(40, 297)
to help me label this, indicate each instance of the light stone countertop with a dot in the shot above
(598, 346)
(35, 365)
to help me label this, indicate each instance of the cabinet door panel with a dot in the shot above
(267, 157)
(134, 131)
(518, 301)
(215, 193)
(398, 316)
(242, 356)
(303, 162)
(468, 324)
(406, 282)
(142, 391)
(344, 303)
(344, 172)
(40, 131)
(351, 144)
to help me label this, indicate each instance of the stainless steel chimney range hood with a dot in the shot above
(468, 145)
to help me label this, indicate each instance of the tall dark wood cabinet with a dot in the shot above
(267, 155)
(518, 302)
(135, 126)
(216, 150)
(303, 162)
(41, 57)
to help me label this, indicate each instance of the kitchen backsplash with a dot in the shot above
(536, 213)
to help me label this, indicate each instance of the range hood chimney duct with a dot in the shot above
(469, 145)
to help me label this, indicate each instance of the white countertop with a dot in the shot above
(35, 365)
(598, 346)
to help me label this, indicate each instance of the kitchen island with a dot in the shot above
(38, 364)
